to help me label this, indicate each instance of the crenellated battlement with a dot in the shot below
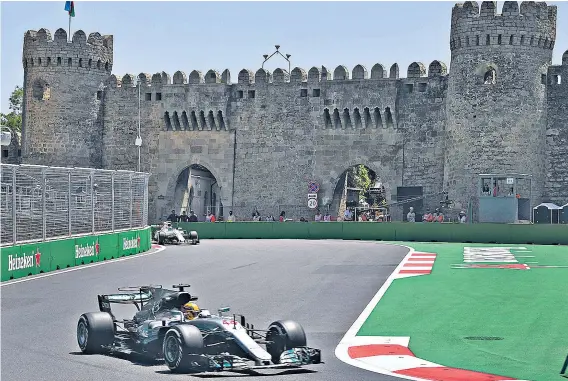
(94, 52)
(279, 76)
(557, 77)
(533, 24)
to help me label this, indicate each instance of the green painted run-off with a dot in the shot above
(527, 309)
(34, 258)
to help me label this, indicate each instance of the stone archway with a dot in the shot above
(185, 188)
(331, 179)
(353, 189)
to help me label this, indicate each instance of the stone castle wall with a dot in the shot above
(556, 186)
(287, 131)
(63, 90)
(266, 135)
(498, 127)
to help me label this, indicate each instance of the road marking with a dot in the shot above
(82, 267)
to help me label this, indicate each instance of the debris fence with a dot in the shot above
(40, 202)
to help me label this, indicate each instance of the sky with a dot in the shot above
(153, 37)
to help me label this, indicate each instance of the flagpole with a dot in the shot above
(69, 26)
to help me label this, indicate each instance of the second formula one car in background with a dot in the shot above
(167, 234)
(169, 326)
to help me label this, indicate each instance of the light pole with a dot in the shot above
(138, 141)
(287, 57)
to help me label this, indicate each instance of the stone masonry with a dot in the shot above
(502, 109)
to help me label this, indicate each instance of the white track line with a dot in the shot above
(378, 364)
(349, 338)
(352, 332)
(80, 267)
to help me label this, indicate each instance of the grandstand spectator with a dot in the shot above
(462, 217)
(327, 217)
(437, 216)
(212, 218)
(318, 216)
(411, 216)
(231, 217)
(173, 217)
(184, 217)
(282, 216)
(192, 216)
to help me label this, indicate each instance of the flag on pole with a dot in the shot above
(70, 8)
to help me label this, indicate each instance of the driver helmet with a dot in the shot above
(190, 310)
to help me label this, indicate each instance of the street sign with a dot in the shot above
(312, 203)
(312, 195)
(510, 180)
(313, 187)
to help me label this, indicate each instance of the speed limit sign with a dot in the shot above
(312, 203)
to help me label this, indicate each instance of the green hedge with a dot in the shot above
(419, 232)
(22, 260)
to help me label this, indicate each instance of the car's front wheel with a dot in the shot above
(283, 335)
(183, 349)
(95, 330)
(194, 237)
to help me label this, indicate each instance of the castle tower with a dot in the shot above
(63, 97)
(496, 101)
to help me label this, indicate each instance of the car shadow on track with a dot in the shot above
(133, 358)
(279, 372)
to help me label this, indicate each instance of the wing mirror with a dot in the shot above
(223, 309)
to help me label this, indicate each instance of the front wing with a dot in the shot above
(291, 361)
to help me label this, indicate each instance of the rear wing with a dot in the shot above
(132, 295)
(140, 295)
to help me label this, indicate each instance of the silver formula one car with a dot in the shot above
(167, 234)
(208, 343)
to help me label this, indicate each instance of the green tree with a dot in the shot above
(360, 177)
(14, 118)
(364, 181)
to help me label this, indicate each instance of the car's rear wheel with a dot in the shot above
(183, 350)
(283, 335)
(95, 330)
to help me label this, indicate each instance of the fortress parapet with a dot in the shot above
(533, 24)
(90, 53)
(280, 76)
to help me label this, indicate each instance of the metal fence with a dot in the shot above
(39, 202)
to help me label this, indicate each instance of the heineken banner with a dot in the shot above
(130, 243)
(35, 258)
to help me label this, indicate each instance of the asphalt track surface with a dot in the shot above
(323, 285)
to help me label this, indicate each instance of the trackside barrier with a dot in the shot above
(30, 259)
(417, 232)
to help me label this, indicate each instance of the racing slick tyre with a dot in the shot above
(283, 335)
(182, 347)
(94, 331)
(194, 237)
